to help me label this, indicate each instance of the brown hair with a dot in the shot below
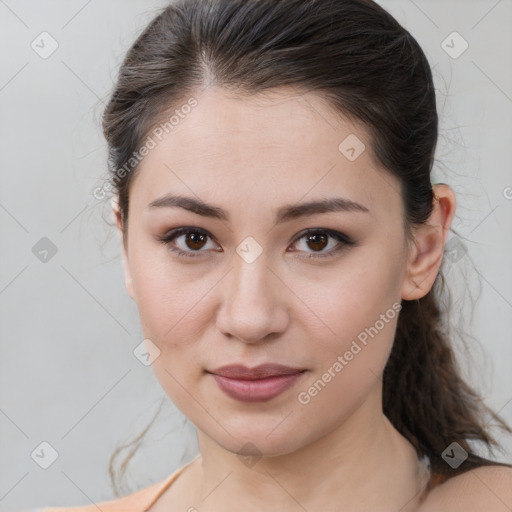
(369, 68)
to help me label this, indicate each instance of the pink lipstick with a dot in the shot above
(258, 384)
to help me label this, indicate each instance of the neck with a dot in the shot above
(365, 464)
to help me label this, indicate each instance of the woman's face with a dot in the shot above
(253, 287)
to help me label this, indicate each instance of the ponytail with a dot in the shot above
(424, 396)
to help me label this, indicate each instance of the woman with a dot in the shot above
(283, 242)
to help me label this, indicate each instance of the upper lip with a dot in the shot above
(239, 371)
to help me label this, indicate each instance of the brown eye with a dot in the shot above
(187, 241)
(195, 240)
(317, 242)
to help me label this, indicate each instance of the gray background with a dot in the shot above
(68, 329)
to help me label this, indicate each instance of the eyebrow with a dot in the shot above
(285, 213)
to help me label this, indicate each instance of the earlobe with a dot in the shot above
(426, 255)
(126, 268)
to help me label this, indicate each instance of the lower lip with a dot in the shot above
(259, 390)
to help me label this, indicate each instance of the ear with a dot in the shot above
(426, 256)
(126, 268)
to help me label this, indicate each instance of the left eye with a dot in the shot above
(196, 239)
(318, 239)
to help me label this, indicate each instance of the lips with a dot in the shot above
(258, 384)
(241, 372)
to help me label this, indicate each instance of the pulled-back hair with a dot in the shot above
(370, 69)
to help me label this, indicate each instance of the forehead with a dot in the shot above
(276, 144)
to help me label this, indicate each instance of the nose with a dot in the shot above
(253, 302)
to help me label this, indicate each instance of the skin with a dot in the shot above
(250, 157)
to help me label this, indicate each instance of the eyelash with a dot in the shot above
(343, 240)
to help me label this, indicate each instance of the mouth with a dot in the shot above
(258, 384)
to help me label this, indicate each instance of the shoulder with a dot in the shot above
(134, 502)
(142, 499)
(486, 488)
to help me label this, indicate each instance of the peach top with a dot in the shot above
(139, 501)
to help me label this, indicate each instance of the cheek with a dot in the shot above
(174, 309)
(170, 297)
(360, 309)
(350, 300)
(350, 365)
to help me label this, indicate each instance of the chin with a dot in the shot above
(246, 443)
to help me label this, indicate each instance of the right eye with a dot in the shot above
(193, 239)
